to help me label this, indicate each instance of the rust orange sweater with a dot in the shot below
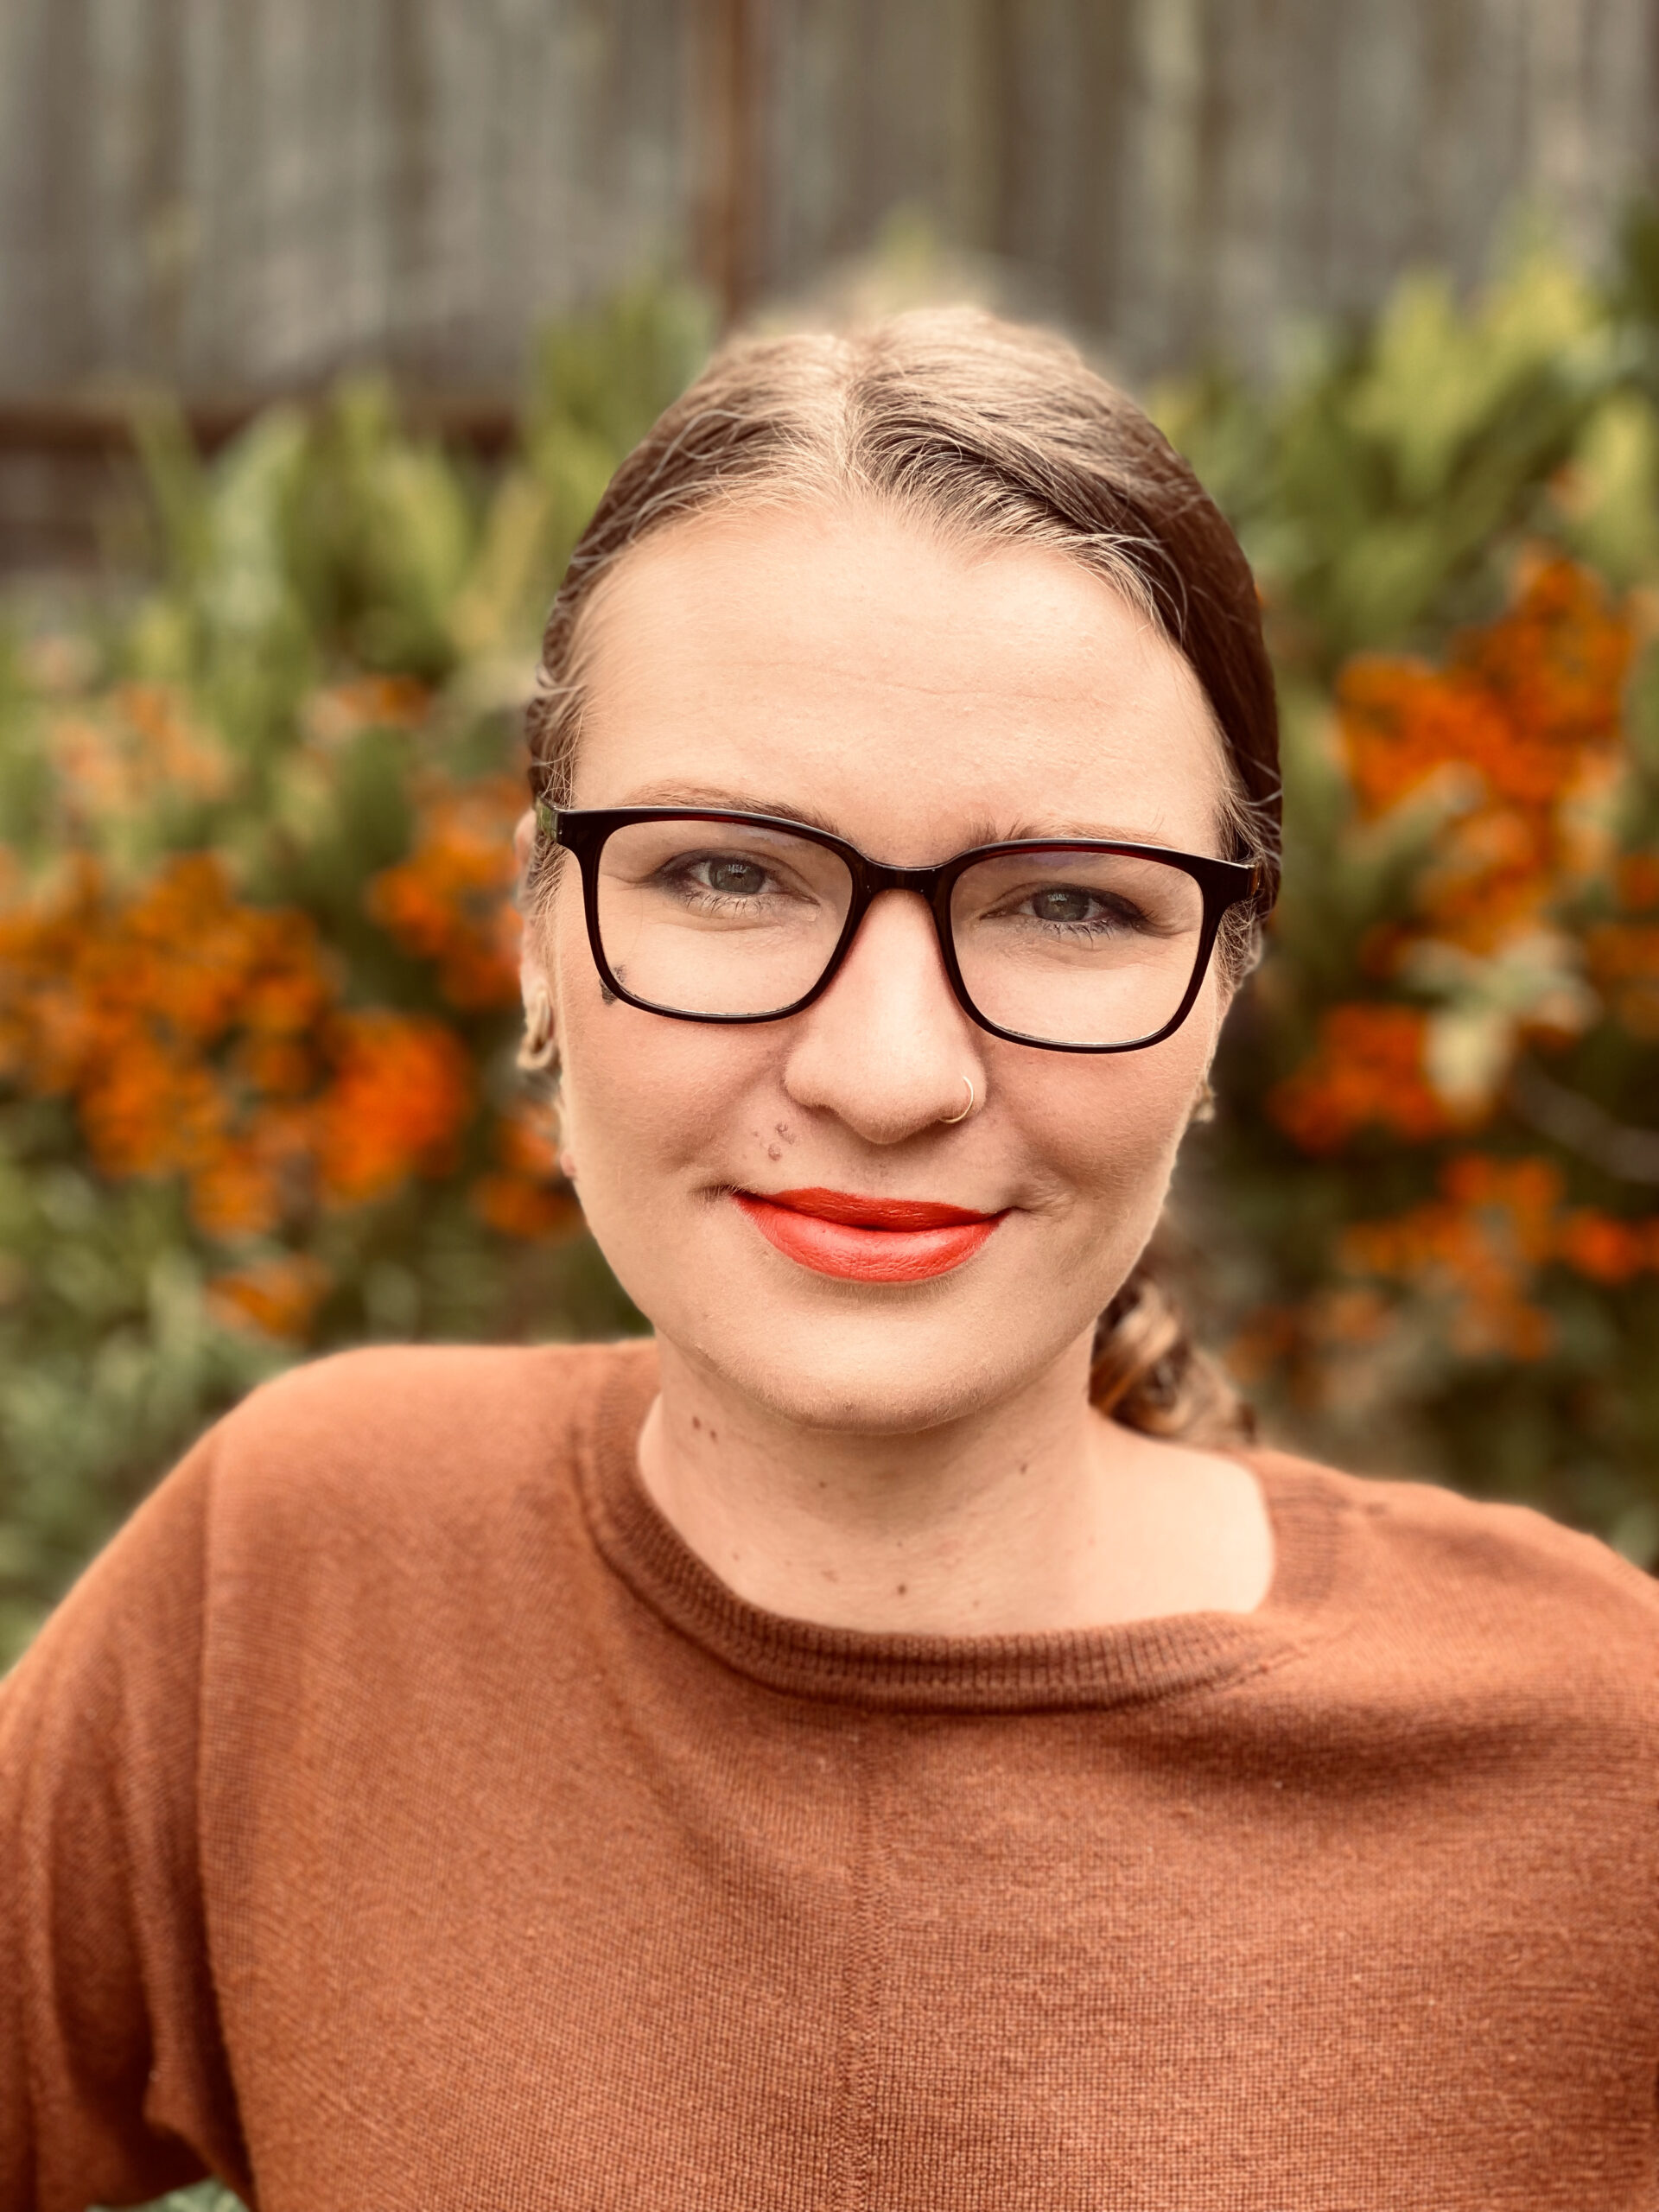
(399, 1815)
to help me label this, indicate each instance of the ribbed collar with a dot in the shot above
(1127, 1664)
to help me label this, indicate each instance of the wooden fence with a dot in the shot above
(242, 195)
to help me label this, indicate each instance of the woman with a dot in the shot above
(881, 1745)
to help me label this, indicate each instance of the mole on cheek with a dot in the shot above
(774, 1151)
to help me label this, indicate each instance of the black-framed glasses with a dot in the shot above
(1070, 945)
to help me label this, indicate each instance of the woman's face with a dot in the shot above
(843, 666)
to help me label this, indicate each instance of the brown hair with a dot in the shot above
(992, 432)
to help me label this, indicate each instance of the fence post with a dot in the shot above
(728, 136)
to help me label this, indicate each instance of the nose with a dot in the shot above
(887, 1047)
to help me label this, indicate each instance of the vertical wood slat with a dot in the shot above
(243, 194)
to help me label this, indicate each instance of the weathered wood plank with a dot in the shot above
(242, 195)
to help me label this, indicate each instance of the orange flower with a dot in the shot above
(401, 1097)
(139, 744)
(1403, 723)
(184, 1025)
(1366, 1071)
(1525, 1193)
(1604, 1249)
(530, 1211)
(451, 900)
(1528, 709)
(1483, 1242)
(1558, 662)
(236, 1193)
(524, 1198)
(1477, 1248)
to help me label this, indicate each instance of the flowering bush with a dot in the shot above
(1430, 1208)
(259, 957)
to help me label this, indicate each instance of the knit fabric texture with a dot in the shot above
(398, 1814)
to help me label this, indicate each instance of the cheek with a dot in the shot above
(640, 1095)
(1106, 1128)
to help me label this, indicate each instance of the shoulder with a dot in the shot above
(425, 1434)
(1435, 1563)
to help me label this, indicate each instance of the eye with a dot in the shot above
(1063, 904)
(732, 877)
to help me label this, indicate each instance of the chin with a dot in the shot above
(885, 1373)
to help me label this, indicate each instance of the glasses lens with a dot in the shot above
(719, 918)
(1071, 947)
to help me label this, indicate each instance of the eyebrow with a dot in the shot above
(983, 831)
(731, 802)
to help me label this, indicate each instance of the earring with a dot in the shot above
(1203, 1108)
(539, 1049)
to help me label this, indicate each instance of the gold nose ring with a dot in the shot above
(950, 1120)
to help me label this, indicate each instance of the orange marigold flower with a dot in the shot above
(451, 900)
(149, 1111)
(1602, 1246)
(1528, 710)
(525, 1197)
(275, 1067)
(401, 1096)
(1366, 1071)
(1557, 661)
(174, 1017)
(1526, 1193)
(1403, 723)
(238, 1192)
(516, 1206)
(1477, 1247)
(524, 1140)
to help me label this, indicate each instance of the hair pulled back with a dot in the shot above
(993, 433)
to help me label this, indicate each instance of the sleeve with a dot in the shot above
(113, 2081)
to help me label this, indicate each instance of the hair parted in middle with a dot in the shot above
(992, 434)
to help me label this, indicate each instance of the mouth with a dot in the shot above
(867, 1240)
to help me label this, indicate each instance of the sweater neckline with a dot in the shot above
(1126, 1663)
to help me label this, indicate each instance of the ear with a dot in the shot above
(539, 1048)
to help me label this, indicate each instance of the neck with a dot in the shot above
(1036, 1515)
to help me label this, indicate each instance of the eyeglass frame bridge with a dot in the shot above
(583, 832)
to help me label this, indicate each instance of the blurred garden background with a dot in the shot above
(281, 511)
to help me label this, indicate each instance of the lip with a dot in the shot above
(867, 1240)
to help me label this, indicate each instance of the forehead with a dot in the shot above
(917, 692)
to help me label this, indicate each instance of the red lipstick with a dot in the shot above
(866, 1239)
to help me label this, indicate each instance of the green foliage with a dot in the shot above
(1453, 1274)
(318, 685)
(1381, 490)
